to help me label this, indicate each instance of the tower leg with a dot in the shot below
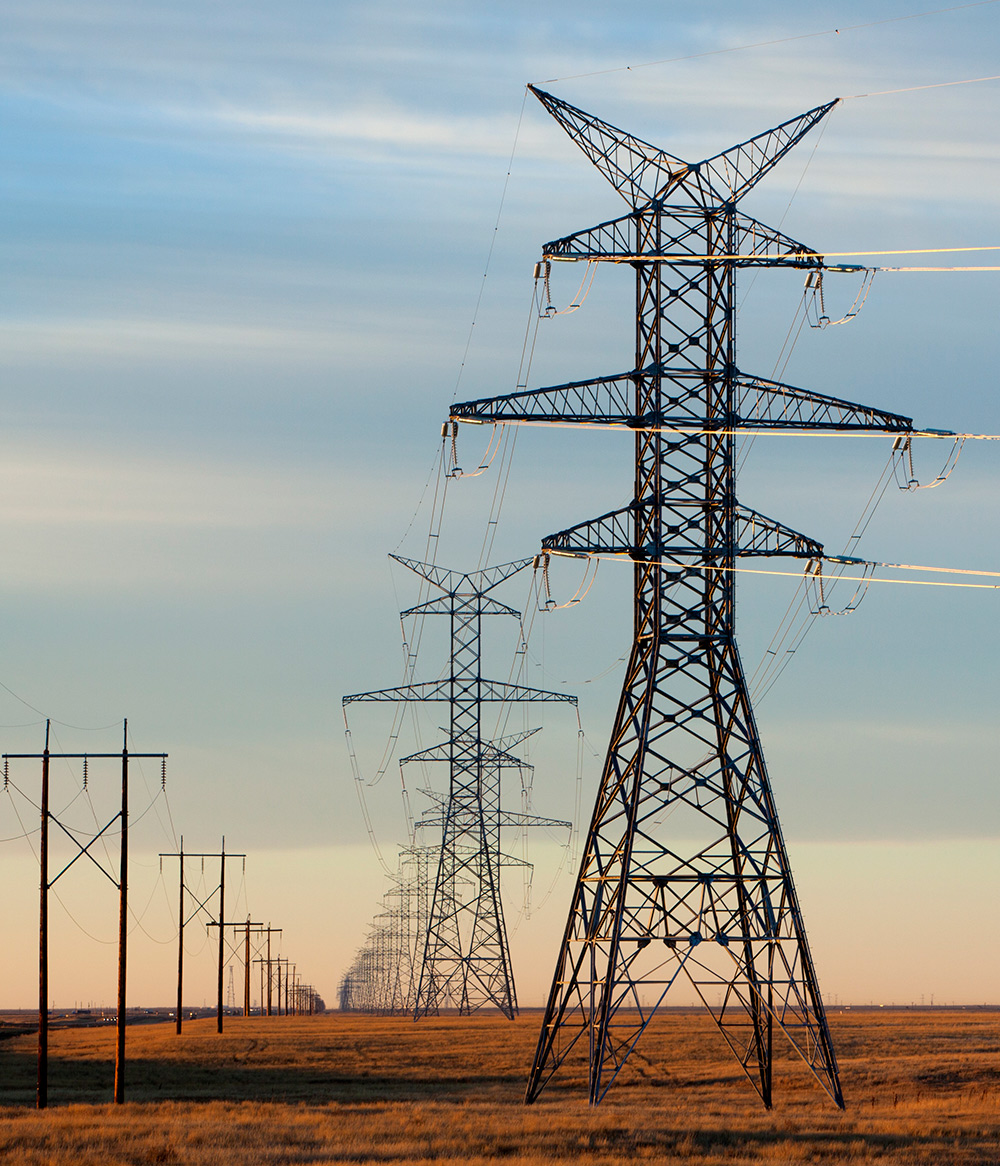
(684, 886)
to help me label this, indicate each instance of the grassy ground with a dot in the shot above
(922, 1087)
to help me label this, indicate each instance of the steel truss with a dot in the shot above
(465, 960)
(685, 876)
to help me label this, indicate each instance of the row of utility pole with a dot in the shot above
(248, 940)
(245, 940)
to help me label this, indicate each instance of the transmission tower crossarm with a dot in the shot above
(766, 404)
(643, 173)
(609, 401)
(603, 400)
(636, 169)
(494, 691)
(630, 531)
(738, 169)
(428, 690)
(501, 691)
(458, 582)
(755, 244)
(758, 535)
(642, 236)
(441, 605)
(507, 819)
(490, 753)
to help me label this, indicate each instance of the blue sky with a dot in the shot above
(242, 247)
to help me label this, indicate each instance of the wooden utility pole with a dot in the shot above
(222, 915)
(267, 973)
(246, 970)
(248, 928)
(180, 940)
(45, 884)
(270, 975)
(42, 1089)
(122, 927)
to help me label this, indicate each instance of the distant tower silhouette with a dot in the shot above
(465, 962)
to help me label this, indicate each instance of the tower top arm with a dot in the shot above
(453, 582)
(643, 173)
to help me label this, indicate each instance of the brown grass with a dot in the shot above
(922, 1087)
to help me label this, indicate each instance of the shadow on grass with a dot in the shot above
(87, 1081)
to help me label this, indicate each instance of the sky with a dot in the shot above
(244, 248)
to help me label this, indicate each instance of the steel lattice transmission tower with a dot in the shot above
(684, 877)
(466, 959)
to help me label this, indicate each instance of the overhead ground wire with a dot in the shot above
(787, 40)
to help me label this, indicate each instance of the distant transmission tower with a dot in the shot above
(465, 959)
(684, 876)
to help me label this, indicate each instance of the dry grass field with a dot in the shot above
(922, 1087)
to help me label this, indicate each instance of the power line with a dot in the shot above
(787, 40)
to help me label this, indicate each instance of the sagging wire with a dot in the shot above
(435, 469)
(589, 576)
(26, 834)
(516, 673)
(410, 644)
(526, 910)
(510, 432)
(411, 825)
(794, 626)
(903, 469)
(787, 344)
(499, 494)
(815, 588)
(780, 223)
(502, 441)
(154, 799)
(742, 429)
(543, 271)
(493, 240)
(814, 298)
(359, 786)
(139, 918)
(574, 848)
(450, 429)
